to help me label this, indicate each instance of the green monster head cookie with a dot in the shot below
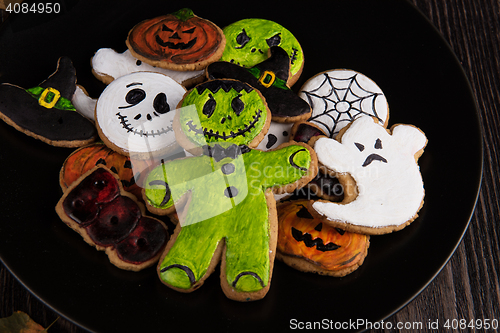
(248, 42)
(225, 111)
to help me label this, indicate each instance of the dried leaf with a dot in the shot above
(20, 322)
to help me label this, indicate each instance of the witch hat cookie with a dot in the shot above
(270, 78)
(45, 112)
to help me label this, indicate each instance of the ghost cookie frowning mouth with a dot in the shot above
(372, 157)
(388, 185)
(134, 113)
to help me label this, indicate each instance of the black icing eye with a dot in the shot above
(274, 41)
(209, 107)
(237, 105)
(378, 144)
(165, 28)
(135, 96)
(359, 146)
(242, 39)
(271, 140)
(189, 31)
(160, 103)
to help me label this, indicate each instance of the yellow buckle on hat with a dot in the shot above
(267, 78)
(43, 98)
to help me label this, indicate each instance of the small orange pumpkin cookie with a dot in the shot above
(307, 244)
(180, 41)
(88, 157)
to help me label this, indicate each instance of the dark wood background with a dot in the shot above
(468, 287)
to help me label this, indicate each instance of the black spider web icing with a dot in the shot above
(340, 101)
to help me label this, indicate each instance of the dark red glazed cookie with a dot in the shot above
(147, 237)
(112, 220)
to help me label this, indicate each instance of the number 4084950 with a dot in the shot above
(40, 8)
(462, 324)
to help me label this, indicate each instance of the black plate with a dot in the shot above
(387, 40)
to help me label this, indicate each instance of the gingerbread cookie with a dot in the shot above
(110, 219)
(383, 187)
(309, 245)
(45, 112)
(180, 41)
(271, 78)
(249, 40)
(225, 194)
(224, 197)
(337, 97)
(107, 65)
(134, 114)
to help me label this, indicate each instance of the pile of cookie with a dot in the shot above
(200, 124)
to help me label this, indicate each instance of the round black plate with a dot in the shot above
(387, 40)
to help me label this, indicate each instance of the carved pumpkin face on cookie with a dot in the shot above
(302, 235)
(224, 111)
(179, 38)
(88, 157)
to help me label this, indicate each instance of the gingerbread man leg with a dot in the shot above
(247, 258)
(192, 255)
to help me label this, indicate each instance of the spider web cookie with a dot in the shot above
(337, 97)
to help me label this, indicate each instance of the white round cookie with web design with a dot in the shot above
(134, 114)
(339, 96)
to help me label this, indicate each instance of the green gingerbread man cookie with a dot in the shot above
(224, 197)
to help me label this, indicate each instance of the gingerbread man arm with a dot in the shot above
(284, 166)
(169, 181)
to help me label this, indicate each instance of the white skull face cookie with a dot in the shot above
(134, 114)
(388, 187)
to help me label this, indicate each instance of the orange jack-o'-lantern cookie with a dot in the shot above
(307, 244)
(88, 157)
(180, 41)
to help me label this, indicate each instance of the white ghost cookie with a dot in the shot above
(385, 191)
(107, 65)
(134, 114)
(83, 103)
(278, 133)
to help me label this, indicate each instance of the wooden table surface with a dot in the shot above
(468, 287)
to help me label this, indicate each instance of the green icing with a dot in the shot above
(62, 103)
(253, 49)
(184, 14)
(211, 216)
(234, 116)
(277, 81)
